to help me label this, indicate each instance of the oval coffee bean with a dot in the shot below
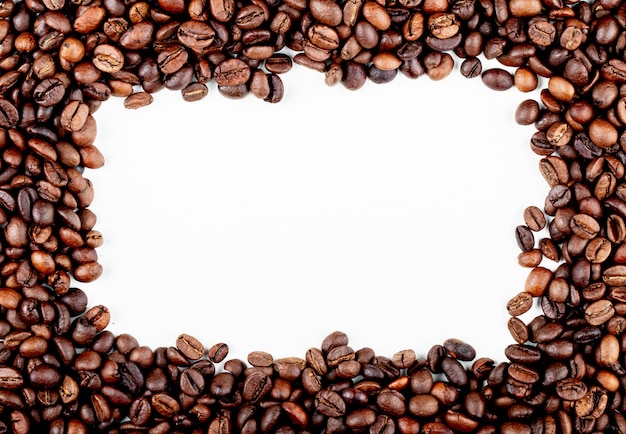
(330, 403)
(497, 79)
(190, 347)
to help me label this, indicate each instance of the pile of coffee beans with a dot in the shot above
(62, 371)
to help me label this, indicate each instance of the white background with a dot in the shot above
(387, 213)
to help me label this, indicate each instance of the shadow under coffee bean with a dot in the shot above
(64, 371)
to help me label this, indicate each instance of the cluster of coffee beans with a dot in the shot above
(62, 371)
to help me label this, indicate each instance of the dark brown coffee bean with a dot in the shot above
(360, 418)
(139, 412)
(9, 116)
(278, 63)
(276, 89)
(585, 226)
(518, 330)
(523, 354)
(10, 378)
(45, 376)
(454, 371)
(471, 67)
(330, 403)
(571, 389)
(222, 384)
(191, 382)
(88, 272)
(190, 347)
(256, 386)
(497, 79)
(525, 238)
(391, 402)
(354, 76)
(459, 349)
(48, 93)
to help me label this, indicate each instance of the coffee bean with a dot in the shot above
(232, 72)
(599, 312)
(571, 389)
(139, 412)
(326, 11)
(454, 371)
(423, 405)
(471, 67)
(138, 100)
(108, 58)
(256, 386)
(525, 238)
(523, 354)
(391, 403)
(218, 352)
(459, 349)
(190, 347)
(196, 35)
(534, 218)
(164, 404)
(48, 93)
(278, 63)
(360, 418)
(329, 403)
(518, 330)
(376, 15)
(520, 304)
(9, 116)
(497, 79)
(45, 376)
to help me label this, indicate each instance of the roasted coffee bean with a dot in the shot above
(232, 72)
(497, 79)
(527, 112)
(9, 115)
(520, 304)
(471, 67)
(454, 371)
(190, 347)
(326, 11)
(196, 35)
(391, 403)
(138, 100)
(571, 389)
(278, 63)
(164, 404)
(534, 218)
(191, 382)
(423, 405)
(518, 330)
(108, 58)
(525, 238)
(48, 93)
(330, 403)
(599, 312)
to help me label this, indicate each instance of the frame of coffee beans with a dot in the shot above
(62, 371)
